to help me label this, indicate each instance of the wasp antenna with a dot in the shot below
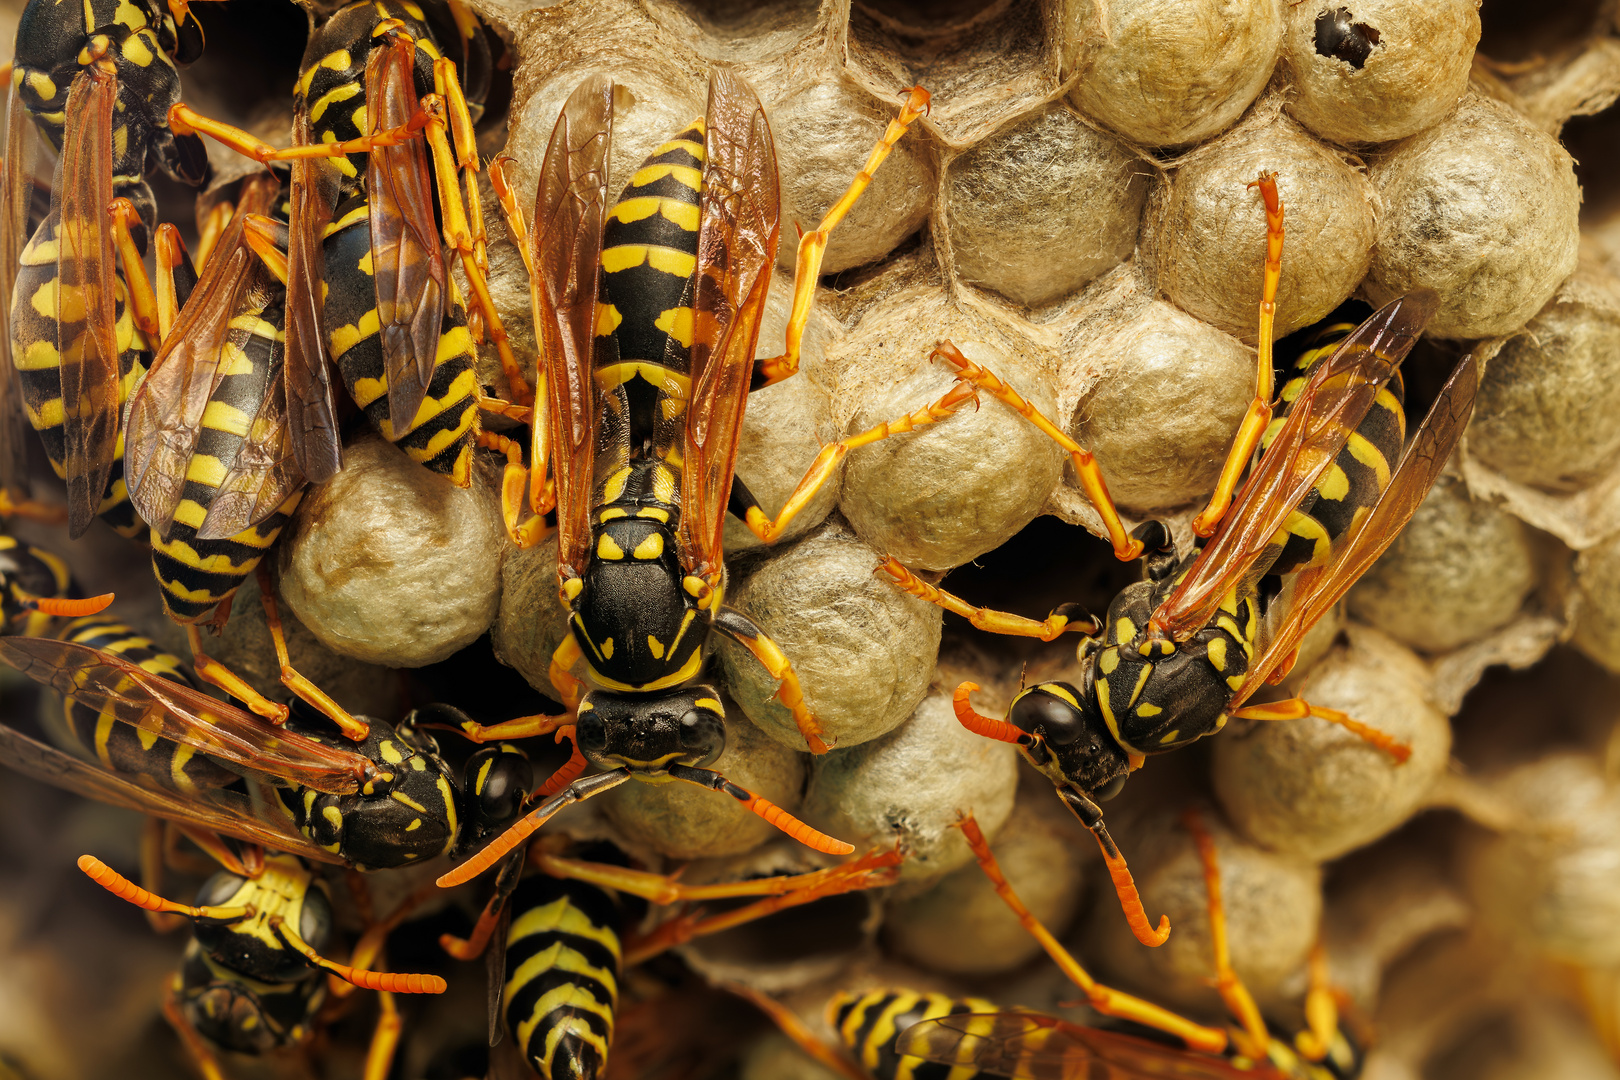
(392, 982)
(125, 889)
(69, 609)
(766, 809)
(578, 791)
(979, 724)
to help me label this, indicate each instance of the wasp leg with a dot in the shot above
(788, 1023)
(826, 463)
(291, 678)
(473, 945)
(872, 870)
(143, 303)
(563, 658)
(522, 727)
(170, 253)
(1239, 1002)
(1321, 1009)
(184, 120)
(261, 234)
(201, 1053)
(211, 228)
(1086, 470)
(217, 674)
(1106, 1000)
(812, 245)
(1062, 617)
(514, 483)
(1258, 417)
(153, 843)
(384, 1039)
(463, 216)
(45, 513)
(1299, 709)
(743, 630)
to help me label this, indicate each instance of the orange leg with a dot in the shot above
(171, 256)
(826, 463)
(812, 245)
(996, 622)
(563, 658)
(1108, 1001)
(741, 629)
(514, 483)
(46, 513)
(523, 727)
(152, 859)
(1239, 1002)
(1299, 708)
(184, 120)
(1126, 547)
(290, 677)
(143, 306)
(217, 674)
(1321, 1010)
(384, 1039)
(1259, 414)
(212, 227)
(463, 217)
(788, 1022)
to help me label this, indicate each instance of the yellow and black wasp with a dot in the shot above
(647, 312)
(382, 124)
(97, 79)
(1021, 1043)
(1182, 652)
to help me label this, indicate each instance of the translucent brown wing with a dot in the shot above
(16, 174)
(567, 244)
(176, 712)
(231, 813)
(165, 414)
(1317, 590)
(1334, 401)
(311, 405)
(407, 264)
(86, 313)
(740, 210)
(262, 475)
(1029, 1046)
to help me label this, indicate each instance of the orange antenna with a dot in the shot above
(578, 791)
(766, 809)
(392, 982)
(69, 609)
(125, 889)
(988, 726)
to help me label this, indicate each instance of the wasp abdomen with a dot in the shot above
(870, 1023)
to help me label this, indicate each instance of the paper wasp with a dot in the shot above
(568, 938)
(648, 313)
(377, 109)
(1182, 652)
(97, 79)
(1022, 1043)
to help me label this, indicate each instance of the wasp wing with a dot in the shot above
(311, 404)
(221, 811)
(738, 225)
(1029, 1046)
(1332, 404)
(165, 415)
(1317, 590)
(407, 263)
(86, 311)
(16, 189)
(567, 245)
(173, 711)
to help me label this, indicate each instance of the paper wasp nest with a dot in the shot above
(1075, 214)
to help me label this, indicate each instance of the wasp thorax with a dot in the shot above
(648, 733)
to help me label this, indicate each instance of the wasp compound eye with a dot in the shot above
(498, 780)
(703, 735)
(1051, 711)
(218, 890)
(315, 920)
(590, 735)
(1110, 789)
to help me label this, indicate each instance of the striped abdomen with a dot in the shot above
(121, 747)
(27, 573)
(195, 575)
(562, 976)
(332, 79)
(39, 365)
(643, 346)
(445, 427)
(1357, 476)
(869, 1023)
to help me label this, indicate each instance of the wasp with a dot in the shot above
(568, 939)
(1182, 652)
(96, 79)
(377, 109)
(648, 314)
(1023, 1043)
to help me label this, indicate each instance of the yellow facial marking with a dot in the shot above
(655, 647)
